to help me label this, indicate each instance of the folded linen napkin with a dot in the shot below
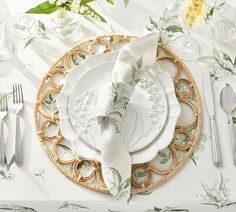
(132, 61)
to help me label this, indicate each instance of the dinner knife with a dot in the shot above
(209, 100)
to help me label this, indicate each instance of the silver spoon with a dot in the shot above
(228, 103)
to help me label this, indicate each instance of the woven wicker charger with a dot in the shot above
(145, 177)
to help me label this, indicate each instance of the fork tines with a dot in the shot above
(3, 102)
(17, 93)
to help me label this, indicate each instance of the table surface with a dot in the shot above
(39, 186)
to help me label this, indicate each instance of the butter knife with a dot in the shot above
(209, 100)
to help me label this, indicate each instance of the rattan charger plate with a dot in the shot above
(145, 177)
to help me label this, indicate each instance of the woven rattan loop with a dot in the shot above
(99, 42)
(55, 146)
(174, 61)
(174, 162)
(40, 106)
(44, 126)
(187, 84)
(51, 80)
(193, 108)
(70, 54)
(77, 173)
(183, 146)
(134, 178)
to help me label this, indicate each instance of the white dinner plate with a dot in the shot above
(86, 150)
(145, 115)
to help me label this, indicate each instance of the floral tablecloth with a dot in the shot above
(39, 186)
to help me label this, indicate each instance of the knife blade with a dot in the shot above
(209, 100)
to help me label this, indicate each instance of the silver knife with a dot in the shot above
(208, 94)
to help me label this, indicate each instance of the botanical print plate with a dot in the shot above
(145, 115)
(140, 156)
(167, 134)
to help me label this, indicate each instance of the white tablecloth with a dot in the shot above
(39, 186)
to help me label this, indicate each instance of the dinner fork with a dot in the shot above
(18, 104)
(3, 114)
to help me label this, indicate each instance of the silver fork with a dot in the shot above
(18, 104)
(3, 114)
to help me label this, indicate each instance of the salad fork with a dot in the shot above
(18, 104)
(3, 114)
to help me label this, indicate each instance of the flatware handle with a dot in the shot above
(215, 143)
(2, 152)
(232, 137)
(18, 156)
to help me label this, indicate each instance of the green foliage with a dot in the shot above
(217, 195)
(110, 1)
(44, 8)
(192, 157)
(234, 120)
(95, 13)
(66, 148)
(225, 65)
(48, 8)
(119, 187)
(174, 29)
(209, 14)
(164, 157)
(12, 161)
(137, 72)
(40, 34)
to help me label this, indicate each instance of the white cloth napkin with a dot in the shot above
(132, 61)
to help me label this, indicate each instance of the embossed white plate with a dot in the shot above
(141, 156)
(144, 118)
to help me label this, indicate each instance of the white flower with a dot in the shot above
(83, 9)
(75, 6)
(60, 2)
(52, 1)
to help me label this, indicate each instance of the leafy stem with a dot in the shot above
(137, 72)
(118, 187)
(234, 120)
(40, 34)
(211, 12)
(45, 8)
(167, 31)
(12, 161)
(217, 195)
(164, 157)
(192, 157)
(83, 8)
(220, 64)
